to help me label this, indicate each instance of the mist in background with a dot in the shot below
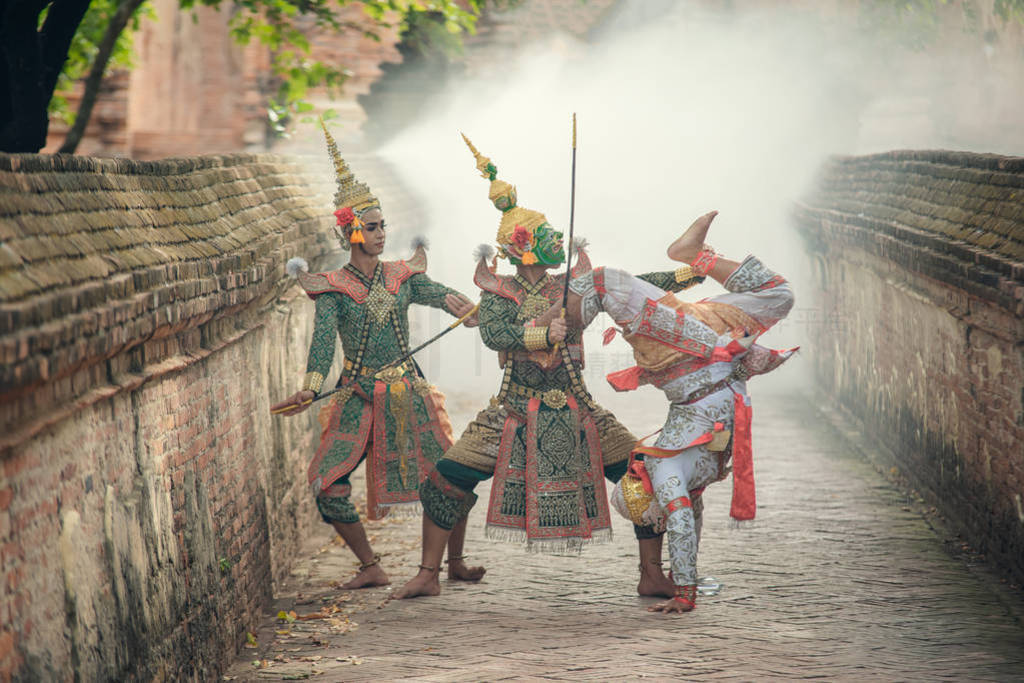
(680, 111)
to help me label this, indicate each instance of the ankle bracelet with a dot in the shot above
(686, 595)
(367, 565)
(705, 261)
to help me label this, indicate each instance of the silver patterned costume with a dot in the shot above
(700, 355)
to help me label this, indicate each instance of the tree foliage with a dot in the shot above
(445, 21)
(46, 46)
(85, 45)
(918, 24)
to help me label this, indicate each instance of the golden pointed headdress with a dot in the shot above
(351, 194)
(503, 196)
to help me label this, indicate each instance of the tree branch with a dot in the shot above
(23, 126)
(125, 12)
(55, 39)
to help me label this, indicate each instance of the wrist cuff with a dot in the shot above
(535, 338)
(684, 273)
(312, 382)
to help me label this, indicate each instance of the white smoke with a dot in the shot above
(678, 115)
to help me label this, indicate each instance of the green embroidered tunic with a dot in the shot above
(543, 439)
(502, 318)
(382, 318)
(394, 418)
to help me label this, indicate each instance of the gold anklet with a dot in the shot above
(367, 565)
(659, 563)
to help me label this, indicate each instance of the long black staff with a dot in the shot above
(572, 216)
(392, 364)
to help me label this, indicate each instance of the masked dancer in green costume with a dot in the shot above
(393, 418)
(543, 439)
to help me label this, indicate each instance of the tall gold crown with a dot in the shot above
(503, 196)
(351, 192)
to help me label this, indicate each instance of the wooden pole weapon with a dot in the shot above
(392, 364)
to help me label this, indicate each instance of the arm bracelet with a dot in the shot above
(312, 382)
(684, 273)
(535, 338)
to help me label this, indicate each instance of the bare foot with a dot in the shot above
(672, 606)
(424, 583)
(367, 578)
(458, 571)
(687, 247)
(654, 583)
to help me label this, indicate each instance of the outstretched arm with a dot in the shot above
(321, 355)
(427, 292)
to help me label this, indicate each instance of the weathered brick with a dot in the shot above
(938, 376)
(6, 644)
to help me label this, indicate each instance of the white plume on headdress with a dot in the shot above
(420, 241)
(579, 243)
(295, 264)
(484, 252)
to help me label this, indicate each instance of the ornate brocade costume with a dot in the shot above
(395, 418)
(545, 441)
(701, 356)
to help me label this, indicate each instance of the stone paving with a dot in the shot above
(842, 577)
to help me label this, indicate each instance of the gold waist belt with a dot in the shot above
(552, 398)
(392, 374)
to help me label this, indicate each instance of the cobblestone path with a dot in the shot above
(841, 577)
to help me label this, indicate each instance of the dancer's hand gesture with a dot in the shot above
(294, 404)
(556, 331)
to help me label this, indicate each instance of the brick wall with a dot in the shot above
(918, 258)
(148, 501)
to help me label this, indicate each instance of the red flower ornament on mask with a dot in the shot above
(345, 216)
(521, 237)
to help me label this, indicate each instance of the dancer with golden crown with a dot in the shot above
(701, 355)
(383, 412)
(543, 439)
